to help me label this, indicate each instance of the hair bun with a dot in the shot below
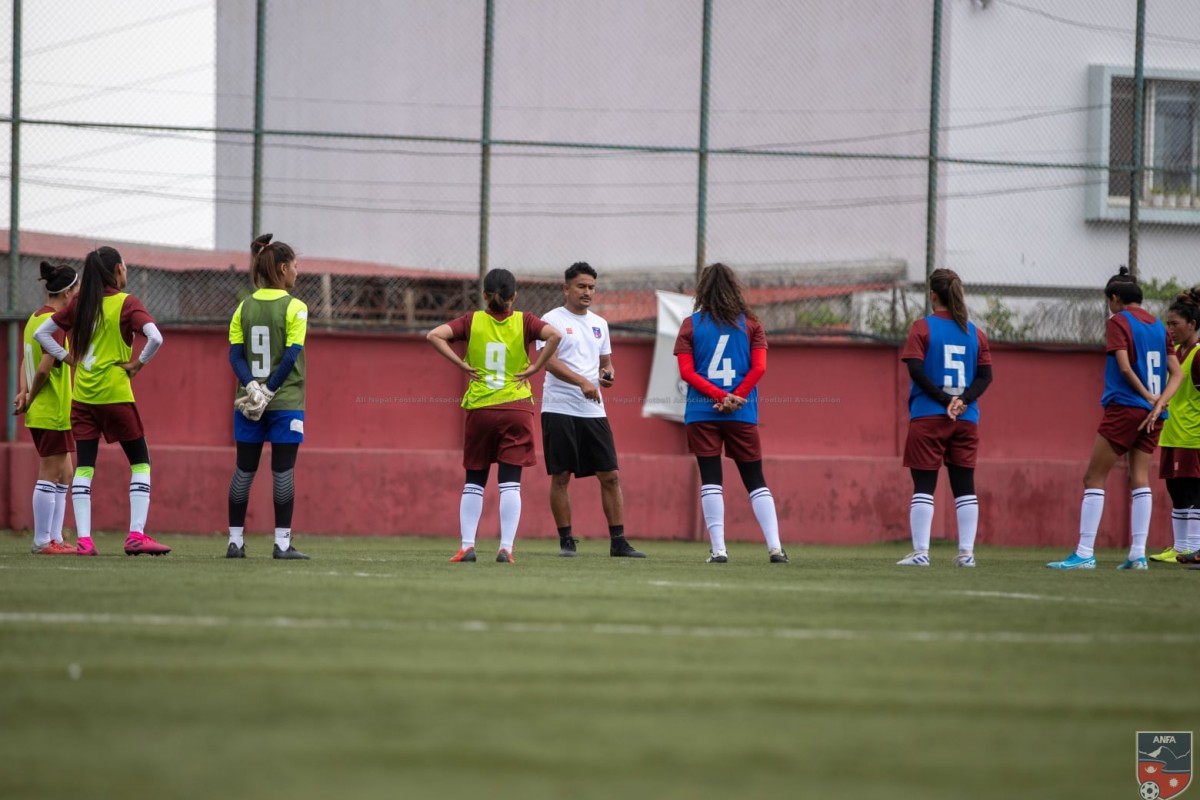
(261, 243)
(1124, 270)
(47, 270)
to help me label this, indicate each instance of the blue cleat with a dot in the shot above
(1135, 563)
(1073, 561)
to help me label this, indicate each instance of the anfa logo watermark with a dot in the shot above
(1164, 763)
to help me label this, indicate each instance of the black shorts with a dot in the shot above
(580, 445)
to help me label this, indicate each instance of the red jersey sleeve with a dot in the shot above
(1117, 334)
(461, 327)
(134, 317)
(683, 342)
(756, 333)
(985, 352)
(533, 327)
(66, 317)
(917, 342)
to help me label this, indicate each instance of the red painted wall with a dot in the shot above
(383, 437)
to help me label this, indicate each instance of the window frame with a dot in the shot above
(1100, 207)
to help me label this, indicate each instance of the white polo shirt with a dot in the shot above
(584, 340)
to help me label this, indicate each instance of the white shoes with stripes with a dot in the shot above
(917, 558)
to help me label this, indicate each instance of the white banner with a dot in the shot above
(666, 394)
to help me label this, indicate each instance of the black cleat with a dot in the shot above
(779, 556)
(235, 551)
(621, 548)
(566, 547)
(291, 554)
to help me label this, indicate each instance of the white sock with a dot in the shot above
(920, 519)
(60, 511)
(510, 514)
(139, 497)
(470, 509)
(1179, 529)
(237, 536)
(1089, 521)
(44, 496)
(81, 502)
(1139, 522)
(967, 509)
(283, 538)
(712, 503)
(1193, 528)
(763, 505)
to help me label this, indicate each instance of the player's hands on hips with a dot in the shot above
(472, 373)
(606, 378)
(132, 367)
(590, 391)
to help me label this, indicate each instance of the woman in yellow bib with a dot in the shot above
(1180, 437)
(44, 397)
(101, 322)
(499, 403)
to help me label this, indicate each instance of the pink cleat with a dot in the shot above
(84, 547)
(138, 543)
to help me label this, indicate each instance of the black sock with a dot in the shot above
(616, 531)
(564, 533)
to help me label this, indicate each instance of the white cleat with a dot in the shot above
(917, 558)
(964, 560)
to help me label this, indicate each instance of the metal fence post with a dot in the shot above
(1139, 94)
(485, 142)
(931, 204)
(702, 171)
(260, 69)
(14, 219)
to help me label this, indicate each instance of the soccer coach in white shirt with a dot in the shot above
(576, 437)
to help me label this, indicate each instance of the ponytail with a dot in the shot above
(499, 287)
(267, 260)
(99, 273)
(946, 284)
(57, 278)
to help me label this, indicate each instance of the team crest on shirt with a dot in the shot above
(596, 331)
(1164, 763)
(570, 332)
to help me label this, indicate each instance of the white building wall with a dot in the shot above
(1018, 90)
(811, 75)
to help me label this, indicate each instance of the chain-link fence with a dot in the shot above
(403, 148)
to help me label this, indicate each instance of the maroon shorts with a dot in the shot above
(119, 422)
(1120, 428)
(933, 441)
(1179, 462)
(501, 435)
(740, 439)
(52, 443)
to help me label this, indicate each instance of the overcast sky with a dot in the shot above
(133, 62)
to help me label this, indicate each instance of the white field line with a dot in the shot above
(571, 629)
(855, 589)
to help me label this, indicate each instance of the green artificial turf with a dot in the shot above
(379, 670)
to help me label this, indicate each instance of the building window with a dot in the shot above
(1171, 136)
